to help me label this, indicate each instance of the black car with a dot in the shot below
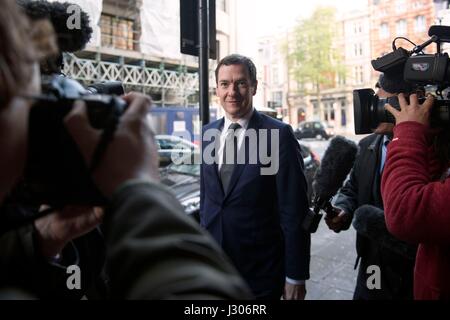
(313, 129)
(184, 179)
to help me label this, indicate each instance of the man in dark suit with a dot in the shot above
(360, 200)
(254, 208)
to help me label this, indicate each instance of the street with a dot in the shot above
(333, 255)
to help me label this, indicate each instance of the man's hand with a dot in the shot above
(340, 222)
(412, 111)
(56, 229)
(294, 291)
(131, 154)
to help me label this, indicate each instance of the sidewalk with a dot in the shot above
(332, 259)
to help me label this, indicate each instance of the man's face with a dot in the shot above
(235, 90)
(14, 135)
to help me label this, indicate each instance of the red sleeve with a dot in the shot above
(416, 208)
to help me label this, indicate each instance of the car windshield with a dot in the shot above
(188, 165)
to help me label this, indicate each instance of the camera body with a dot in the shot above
(414, 68)
(55, 172)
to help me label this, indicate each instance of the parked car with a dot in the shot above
(171, 147)
(184, 179)
(314, 129)
(312, 162)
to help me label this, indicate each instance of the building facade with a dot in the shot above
(138, 42)
(402, 18)
(363, 35)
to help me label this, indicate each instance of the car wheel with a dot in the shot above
(319, 136)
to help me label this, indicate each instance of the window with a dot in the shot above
(417, 5)
(358, 49)
(400, 6)
(357, 27)
(358, 74)
(419, 24)
(341, 79)
(277, 98)
(117, 32)
(343, 114)
(222, 5)
(315, 109)
(401, 27)
(381, 13)
(275, 75)
(384, 31)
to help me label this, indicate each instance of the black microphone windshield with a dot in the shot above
(336, 164)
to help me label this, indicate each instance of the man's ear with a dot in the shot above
(255, 87)
(217, 89)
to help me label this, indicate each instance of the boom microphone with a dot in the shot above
(334, 168)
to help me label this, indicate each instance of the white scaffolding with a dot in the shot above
(154, 65)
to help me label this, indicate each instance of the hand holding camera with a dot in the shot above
(132, 153)
(412, 111)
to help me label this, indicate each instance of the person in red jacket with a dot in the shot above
(416, 191)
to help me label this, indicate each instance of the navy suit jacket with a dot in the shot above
(257, 221)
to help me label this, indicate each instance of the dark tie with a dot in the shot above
(226, 170)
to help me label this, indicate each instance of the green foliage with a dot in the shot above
(313, 58)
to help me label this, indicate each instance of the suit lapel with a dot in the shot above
(375, 149)
(254, 124)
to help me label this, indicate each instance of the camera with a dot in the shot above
(55, 172)
(369, 111)
(413, 67)
(107, 87)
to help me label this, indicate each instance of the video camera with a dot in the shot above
(55, 172)
(414, 67)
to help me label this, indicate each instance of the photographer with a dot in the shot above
(36, 256)
(67, 40)
(154, 250)
(359, 200)
(416, 190)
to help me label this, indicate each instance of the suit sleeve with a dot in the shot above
(416, 208)
(293, 206)
(22, 267)
(157, 252)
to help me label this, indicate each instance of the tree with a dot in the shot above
(313, 60)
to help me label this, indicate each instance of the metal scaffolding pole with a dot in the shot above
(203, 28)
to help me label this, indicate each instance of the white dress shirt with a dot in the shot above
(240, 133)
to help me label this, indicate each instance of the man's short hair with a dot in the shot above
(233, 59)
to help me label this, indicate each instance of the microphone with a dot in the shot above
(335, 166)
